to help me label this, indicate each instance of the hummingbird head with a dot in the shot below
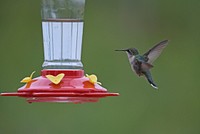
(130, 51)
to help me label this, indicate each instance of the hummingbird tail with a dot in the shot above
(153, 85)
(150, 80)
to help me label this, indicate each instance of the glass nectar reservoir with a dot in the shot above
(62, 26)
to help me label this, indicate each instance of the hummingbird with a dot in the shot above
(141, 64)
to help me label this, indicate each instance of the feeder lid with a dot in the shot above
(73, 87)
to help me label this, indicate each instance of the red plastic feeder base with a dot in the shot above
(74, 88)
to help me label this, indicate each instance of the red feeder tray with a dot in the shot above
(74, 88)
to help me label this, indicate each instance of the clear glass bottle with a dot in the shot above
(62, 27)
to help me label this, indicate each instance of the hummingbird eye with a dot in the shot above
(130, 52)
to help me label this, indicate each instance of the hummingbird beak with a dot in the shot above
(122, 50)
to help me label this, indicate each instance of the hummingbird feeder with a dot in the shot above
(62, 78)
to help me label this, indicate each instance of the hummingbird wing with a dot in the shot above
(155, 52)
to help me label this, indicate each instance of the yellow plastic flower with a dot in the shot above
(27, 79)
(55, 79)
(93, 79)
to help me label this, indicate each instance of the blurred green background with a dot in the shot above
(109, 25)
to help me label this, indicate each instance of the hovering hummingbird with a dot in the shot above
(141, 64)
